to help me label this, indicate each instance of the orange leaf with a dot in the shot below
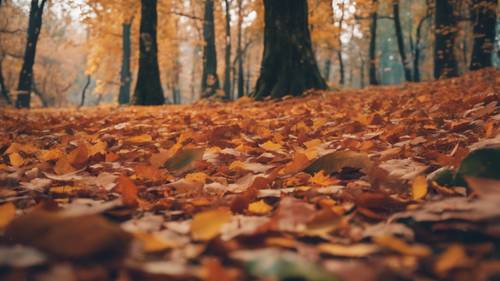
(128, 191)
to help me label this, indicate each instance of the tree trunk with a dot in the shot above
(227, 67)
(445, 63)
(400, 40)
(484, 20)
(125, 73)
(5, 91)
(210, 80)
(372, 72)
(418, 46)
(239, 51)
(148, 89)
(339, 51)
(288, 64)
(84, 91)
(26, 76)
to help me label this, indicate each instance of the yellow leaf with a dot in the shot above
(419, 188)
(453, 257)
(63, 189)
(271, 146)
(152, 243)
(140, 139)
(206, 225)
(320, 178)
(16, 159)
(197, 177)
(402, 247)
(63, 167)
(7, 213)
(259, 207)
(355, 250)
(52, 154)
(312, 143)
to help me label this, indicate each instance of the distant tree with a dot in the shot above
(125, 73)
(400, 40)
(445, 62)
(26, 76)
(484, 21)
(239, 50)
(148, 89)
(210, 80)
(288, 65)
(372, 51)
(227, 61)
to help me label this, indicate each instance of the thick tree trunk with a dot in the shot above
(209, 79)
(288, 66)
(148, 89)
(26, 76)
(445, 62)
(484, 20)
(125, 73)
(400, 40)
(227, 66)
(372, 52)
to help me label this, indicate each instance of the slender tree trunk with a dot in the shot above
(400, 40)
(148, 89)
(288, 65)
(445, 62)
(227, 67)
(239, 51)
(326, 69)
(84, 91)
(26, 76)
(5, 91)
(210, 80)
(372, 72)
(125, 73)
(484, 20)
(418, 48)
(362, 74)
(339, 51)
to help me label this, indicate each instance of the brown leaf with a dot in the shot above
(334, 162)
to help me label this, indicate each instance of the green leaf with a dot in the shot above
(183, 160)
(481, 163)
(287, 266)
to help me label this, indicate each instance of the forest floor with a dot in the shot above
(385, 183)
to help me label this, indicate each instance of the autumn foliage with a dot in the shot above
(385, 183)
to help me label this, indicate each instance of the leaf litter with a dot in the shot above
(386, 183)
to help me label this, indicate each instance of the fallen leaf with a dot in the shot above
(153, 243)
(128, 190)
(207, 225)
(321, 179)
(79, 237)
(16, 159)
(7, 214)
(419, 188)
(271, 146)
(146, 172)
(351, 251)
(402, 247)
(183, 160)
(454, 256)
(140, 139)
(334, 162)
(259, 207)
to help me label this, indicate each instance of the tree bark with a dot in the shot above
(84, 91)
(210, 80)
(400, 40)
(484, 20)
(239, 51)
(26, 75)
(5, 91)
(227, 66)
(418, 48)
(148, 90)
(445, 62)
(339, 51)
(372, 52)
(288, 65)
(125, 73)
